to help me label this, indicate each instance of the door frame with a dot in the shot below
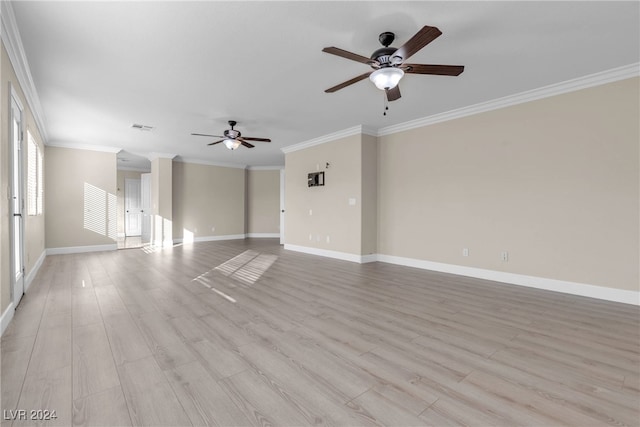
(17, 277)
(282, 205)
(145, 204)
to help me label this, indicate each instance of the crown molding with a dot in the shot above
(154, 155)
(133, 169)
(355, 130)
(591, 80)
(13, 43)
(208, 162)
(265, 168)
(101, 148)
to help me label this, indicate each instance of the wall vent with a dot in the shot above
(141, 127)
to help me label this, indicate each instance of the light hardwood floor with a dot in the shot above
(246, 333)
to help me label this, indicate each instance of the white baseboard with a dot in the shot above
(360, 259)
(214, 238)
(223, 237)
(582, 289)
(6, 318)
(34, 271)
(263, 235)
(81, 249)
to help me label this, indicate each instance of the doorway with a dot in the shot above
(134, 187)
(17, 199)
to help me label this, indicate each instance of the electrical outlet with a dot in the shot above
(465, 251)
(310, 212)
(504, 256)
(328, 239)
(310, 236)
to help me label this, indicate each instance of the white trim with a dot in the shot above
(132, 169)
(208, 162)
(263, 235)
(81, 249)
(13, 43)
(6, 318)
(76, 146)
(122, 235)
(153, 155)
(563, 286)
(597, 79)
(355, 130)
(34, 271)
(265, 168)
(360, 259)
(213, 238)
(368, 258)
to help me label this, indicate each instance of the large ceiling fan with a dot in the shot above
(389, 64)
(232, 138)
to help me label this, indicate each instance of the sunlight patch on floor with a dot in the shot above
(247, 267)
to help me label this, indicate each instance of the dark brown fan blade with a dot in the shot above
(246, 144)
(440, 70)
(204, 134)
(348, 82)
(393, 94)
(422, 38)
(217, 142)
(249, 138)
(348, 55)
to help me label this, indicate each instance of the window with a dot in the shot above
(34, 177)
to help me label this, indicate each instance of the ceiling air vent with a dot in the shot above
(141, 127)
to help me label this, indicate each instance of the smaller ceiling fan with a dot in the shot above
(388, 63)
(232, 138)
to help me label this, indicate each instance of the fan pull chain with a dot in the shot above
(385, 103)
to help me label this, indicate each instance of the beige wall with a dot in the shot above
(554, 182)
(121, 176)
(331, 213)
(263, 201)
(34, 225)
(80, 197)
(208, 200)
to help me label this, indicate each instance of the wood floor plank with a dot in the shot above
(14, 356)
(52, 350)
(93, 366)
(106, 408)
(149, 397)
(85, 308)
(109, 301)
(264, 404)
(383, 411)
(50, 391)
(205, 402)
(126, 341)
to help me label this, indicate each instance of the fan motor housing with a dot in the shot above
(232, 133)
(383, 55)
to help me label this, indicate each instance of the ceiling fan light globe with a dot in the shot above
(231, 144)
(386, 78)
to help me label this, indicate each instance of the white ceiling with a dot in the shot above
(185, 67)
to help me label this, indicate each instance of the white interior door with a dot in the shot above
(145, 191)
(17, 201)
(282, 206)
(132, 207)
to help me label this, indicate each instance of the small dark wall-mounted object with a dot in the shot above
(316, 179)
